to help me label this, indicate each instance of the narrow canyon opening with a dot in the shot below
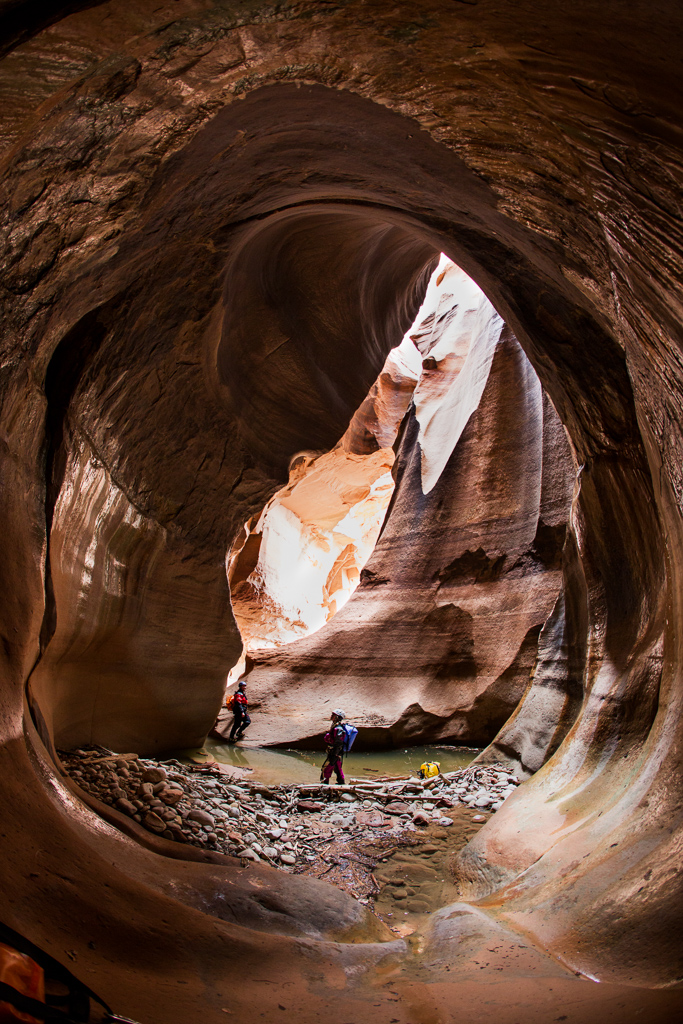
(457, 464)
(300, 559)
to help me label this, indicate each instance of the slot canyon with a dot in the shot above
(342, 351)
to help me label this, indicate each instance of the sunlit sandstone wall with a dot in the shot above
(316, 535)
(538, 145)
(294, 566)
(439, 640)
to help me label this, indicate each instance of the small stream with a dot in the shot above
(271, 765)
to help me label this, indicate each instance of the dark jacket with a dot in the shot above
(334, 740)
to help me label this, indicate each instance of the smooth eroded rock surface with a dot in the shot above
(439, 640)
(217, 218)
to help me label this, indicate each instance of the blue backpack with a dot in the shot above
(350, 733)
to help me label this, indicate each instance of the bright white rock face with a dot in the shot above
(457, 336)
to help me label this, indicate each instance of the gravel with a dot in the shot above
(198, 805)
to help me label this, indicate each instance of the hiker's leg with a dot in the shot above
(339, 772)
(235, 727)
(244, 724)
(326, 772)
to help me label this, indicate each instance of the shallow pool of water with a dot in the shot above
(302, 766)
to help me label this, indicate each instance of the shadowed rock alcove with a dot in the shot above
(218, 219)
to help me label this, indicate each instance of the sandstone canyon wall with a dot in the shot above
(439, 640)
(297, 563)
(294, 565)
(217, 219)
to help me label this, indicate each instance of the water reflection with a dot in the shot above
(303, 766)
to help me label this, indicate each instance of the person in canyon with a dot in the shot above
(238, 706)
(334, 743)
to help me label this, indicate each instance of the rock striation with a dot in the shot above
(296, 564)
(439, 640)
(217, 219)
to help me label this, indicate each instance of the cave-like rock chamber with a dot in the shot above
(218, 220)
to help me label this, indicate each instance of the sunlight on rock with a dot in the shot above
(299, 562)
(315, 536)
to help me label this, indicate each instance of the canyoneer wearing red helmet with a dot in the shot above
(334, 743)
(238, 704)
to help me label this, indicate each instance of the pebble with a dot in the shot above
(171, 795)
(202, 817)
(371, 818)
(125, 805)
(154, 822)
(478, 817)
(418, 906)
(154, 775)
(396, 807)
(288, 858)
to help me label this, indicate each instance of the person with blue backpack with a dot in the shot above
(338, 741)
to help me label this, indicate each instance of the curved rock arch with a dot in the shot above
(602, 816)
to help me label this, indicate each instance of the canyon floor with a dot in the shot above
(389, 843)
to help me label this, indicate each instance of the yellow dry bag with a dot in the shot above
(429, 769)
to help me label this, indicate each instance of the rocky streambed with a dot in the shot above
(288, 826)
